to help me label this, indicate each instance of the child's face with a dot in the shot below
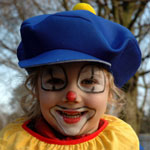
(81, 114)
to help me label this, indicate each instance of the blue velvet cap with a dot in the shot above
(79, 35)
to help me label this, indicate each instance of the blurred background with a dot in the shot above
(133, 14)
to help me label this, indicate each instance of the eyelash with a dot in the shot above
(88, 81)
(55, 81)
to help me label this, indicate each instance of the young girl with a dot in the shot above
(76, 63)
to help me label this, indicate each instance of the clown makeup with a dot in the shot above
(53, 78)
(72, 120)
(73, 97)
(91, 79)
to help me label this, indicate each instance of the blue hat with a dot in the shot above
(79, 35)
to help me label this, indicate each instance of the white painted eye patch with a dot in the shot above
(91, 78)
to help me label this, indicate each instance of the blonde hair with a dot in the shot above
(30, 103)
(117, 101)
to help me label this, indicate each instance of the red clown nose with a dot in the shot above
(71, 96)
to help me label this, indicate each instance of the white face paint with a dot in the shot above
(53, 78)
(81, 116)
(91, 79)
(72, 120)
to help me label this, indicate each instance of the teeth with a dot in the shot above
(71, 116)
(76, 115)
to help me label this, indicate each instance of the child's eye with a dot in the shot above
(53, 78)
(53, 84)
(91, 79)
(56, 81)
(88, 82)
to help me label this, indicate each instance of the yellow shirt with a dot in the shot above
(117, 135)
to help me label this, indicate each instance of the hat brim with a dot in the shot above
(59, 56)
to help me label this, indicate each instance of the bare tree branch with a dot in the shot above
(137, 14)
(144, 86)
(143, 30)
(115, 10)
(11, 65)
(39, 7)
(65, 4)
(146, 57)
(20, 13)
(144, 73)
(100, 6)
(7, 47)
(84, 1)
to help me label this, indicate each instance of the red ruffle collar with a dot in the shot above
(44, 132)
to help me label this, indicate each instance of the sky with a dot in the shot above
(9, 79)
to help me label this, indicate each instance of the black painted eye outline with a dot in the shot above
(55, 89)
(79, 77)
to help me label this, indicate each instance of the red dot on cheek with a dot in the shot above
(71, 96)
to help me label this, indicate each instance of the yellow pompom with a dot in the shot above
(84, 6)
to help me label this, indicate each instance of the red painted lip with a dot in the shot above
(71, 120)
(71, 116)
